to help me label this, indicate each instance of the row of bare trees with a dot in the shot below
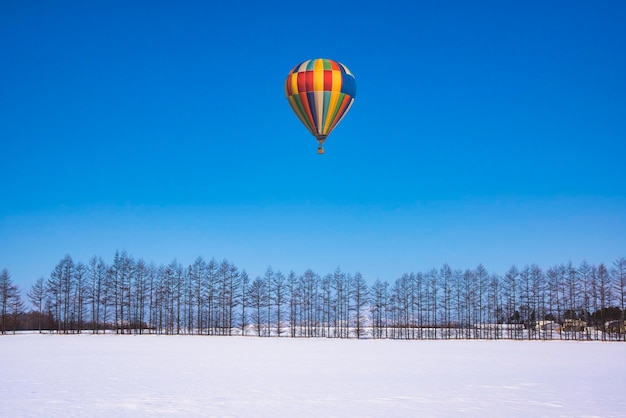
(213, 297)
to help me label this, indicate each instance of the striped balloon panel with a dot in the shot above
(320, 92)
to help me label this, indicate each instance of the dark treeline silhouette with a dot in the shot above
(130, 296)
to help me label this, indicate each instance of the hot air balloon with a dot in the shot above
(320, 92)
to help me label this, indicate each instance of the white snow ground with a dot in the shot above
(138, 376)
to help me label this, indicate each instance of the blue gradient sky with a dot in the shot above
(482, 132)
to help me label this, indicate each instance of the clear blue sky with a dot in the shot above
(482, 132)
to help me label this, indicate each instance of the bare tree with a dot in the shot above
(481, 277)
(257, 297)
(538, 285)
(10, 302)
(326, 295)
(269, 284)
(495, 303)
(210, 295)
(227, 276)
(60, 286)
(309, 299)
(198, 282)
(96, 271)
(379, 300)
(278, 297)
(152, 288)
(80, 295)
(555, 283)
(584, 275)
(445, 274)
(244, 283)
(16, 306)
(457, 300)
(510, 291)
(469, 303)
(402, 306)
(571, 299)
(178, 288)
(340, 293)
(360, 295)
(122, 272)
(432, 286)
(619, 274)
(140, 292)
(604, 294)
(234, 278)
(37, 296)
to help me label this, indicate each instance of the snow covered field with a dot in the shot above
(137, 376)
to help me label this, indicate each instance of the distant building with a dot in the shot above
(547, 326)
(618, 326)
(575, 325)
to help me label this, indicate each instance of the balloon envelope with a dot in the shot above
(320, 92)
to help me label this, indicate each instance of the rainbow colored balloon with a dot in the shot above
(320, 92)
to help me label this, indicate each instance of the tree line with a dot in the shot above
(130, 296)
